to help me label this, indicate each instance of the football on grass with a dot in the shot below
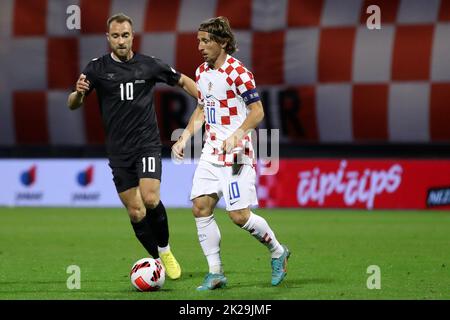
(147, 274)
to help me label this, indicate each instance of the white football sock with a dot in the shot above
(209, 238)
(259, 228)
(164, 249)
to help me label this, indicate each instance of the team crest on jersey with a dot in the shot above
(138, 74)
(210, 86)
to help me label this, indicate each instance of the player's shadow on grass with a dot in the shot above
(40, 285)
(194, 275)
(52, 282)
(28, 281)
(292, 283)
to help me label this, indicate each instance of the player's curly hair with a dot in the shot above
(220, 31)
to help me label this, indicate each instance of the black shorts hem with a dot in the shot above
(145, 164)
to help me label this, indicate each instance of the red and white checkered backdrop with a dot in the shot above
(350, 84)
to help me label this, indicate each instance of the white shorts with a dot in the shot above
(239, 190)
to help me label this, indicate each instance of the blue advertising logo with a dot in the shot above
(85, 177)
(28, 177)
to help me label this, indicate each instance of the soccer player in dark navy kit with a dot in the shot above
(124, 82)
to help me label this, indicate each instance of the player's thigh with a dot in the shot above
(150, 191)
(239, 190)
(132, 200)
(203, 205)
(149, 164)
(206, 181)
(126, 182)
(149, 171)
(124, 178)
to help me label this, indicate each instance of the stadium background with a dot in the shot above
(366, 103)
(363, 120)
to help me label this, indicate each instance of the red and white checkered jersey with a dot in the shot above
(221, 92)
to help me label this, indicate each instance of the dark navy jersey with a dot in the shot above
(125, 97)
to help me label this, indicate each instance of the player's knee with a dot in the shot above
(151, 200)
(199, 210)
(239, 217)
(136, 213)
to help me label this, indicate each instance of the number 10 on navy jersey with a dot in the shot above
(126, 92)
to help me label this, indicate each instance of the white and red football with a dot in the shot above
(147, 274)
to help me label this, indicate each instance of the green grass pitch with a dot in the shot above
(331, 251)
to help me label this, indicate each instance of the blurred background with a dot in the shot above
(363, 113)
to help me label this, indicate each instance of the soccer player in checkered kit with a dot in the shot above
(230, 105)
(124, 82)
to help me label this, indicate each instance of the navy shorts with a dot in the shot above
(127, 174)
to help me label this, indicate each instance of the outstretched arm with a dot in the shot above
(188, 85)
(195, 123)
(76, 98)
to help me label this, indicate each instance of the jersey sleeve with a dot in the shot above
(89, 72)
(245, 84)
(200, 98)
(165, 73)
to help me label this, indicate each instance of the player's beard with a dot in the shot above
(122, 52)
(210, 60)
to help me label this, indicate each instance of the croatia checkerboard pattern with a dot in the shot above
(354, 84)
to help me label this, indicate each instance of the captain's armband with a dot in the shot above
(250, 96)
